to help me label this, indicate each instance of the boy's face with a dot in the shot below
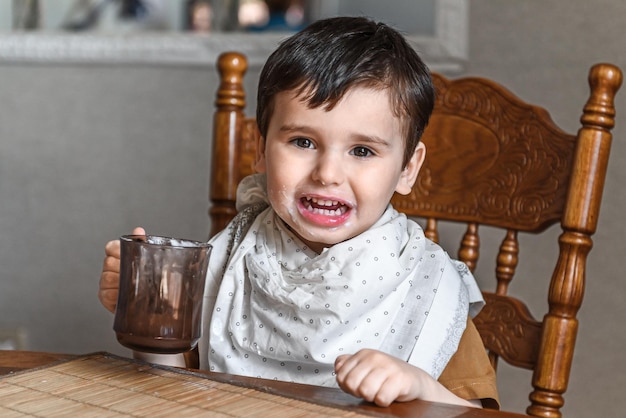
(331, 174)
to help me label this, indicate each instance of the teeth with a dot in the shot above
(321, 202)
(326, 212)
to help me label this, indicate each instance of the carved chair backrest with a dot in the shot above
(492, 160)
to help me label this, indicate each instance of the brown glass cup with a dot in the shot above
(159, 306)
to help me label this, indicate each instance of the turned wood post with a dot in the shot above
(579, 223)
(227, 125)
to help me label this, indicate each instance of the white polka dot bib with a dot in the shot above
(278, 310)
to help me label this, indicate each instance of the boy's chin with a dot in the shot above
(318, 245)
(317, 238)
(313, 241)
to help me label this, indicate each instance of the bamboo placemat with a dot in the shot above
(104, 385)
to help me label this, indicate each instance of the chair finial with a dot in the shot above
(604, 81)
(232, 66)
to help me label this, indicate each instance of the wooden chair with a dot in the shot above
(492, 160)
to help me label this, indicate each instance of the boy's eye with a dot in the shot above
(302, 142)
(362, 152)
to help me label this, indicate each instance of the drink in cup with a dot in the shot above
(159, 305)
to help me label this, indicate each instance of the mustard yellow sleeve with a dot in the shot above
(469, 374)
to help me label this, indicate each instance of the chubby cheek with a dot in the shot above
(280, 201)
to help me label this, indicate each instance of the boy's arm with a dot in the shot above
(468, 375)
(380, 378)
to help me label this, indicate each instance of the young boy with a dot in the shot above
(318, 279)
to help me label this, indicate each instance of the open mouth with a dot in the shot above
(324, 207)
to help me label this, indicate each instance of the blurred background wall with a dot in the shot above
(87, 152)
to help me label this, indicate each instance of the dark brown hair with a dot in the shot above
(323, 61)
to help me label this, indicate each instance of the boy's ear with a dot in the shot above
(259, 164)
(412, 169)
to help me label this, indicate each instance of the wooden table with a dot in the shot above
(14, 364)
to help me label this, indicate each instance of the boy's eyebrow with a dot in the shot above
(373, 139)
(366, 139)
(291, 128)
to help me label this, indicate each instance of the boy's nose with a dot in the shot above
(328, 170)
